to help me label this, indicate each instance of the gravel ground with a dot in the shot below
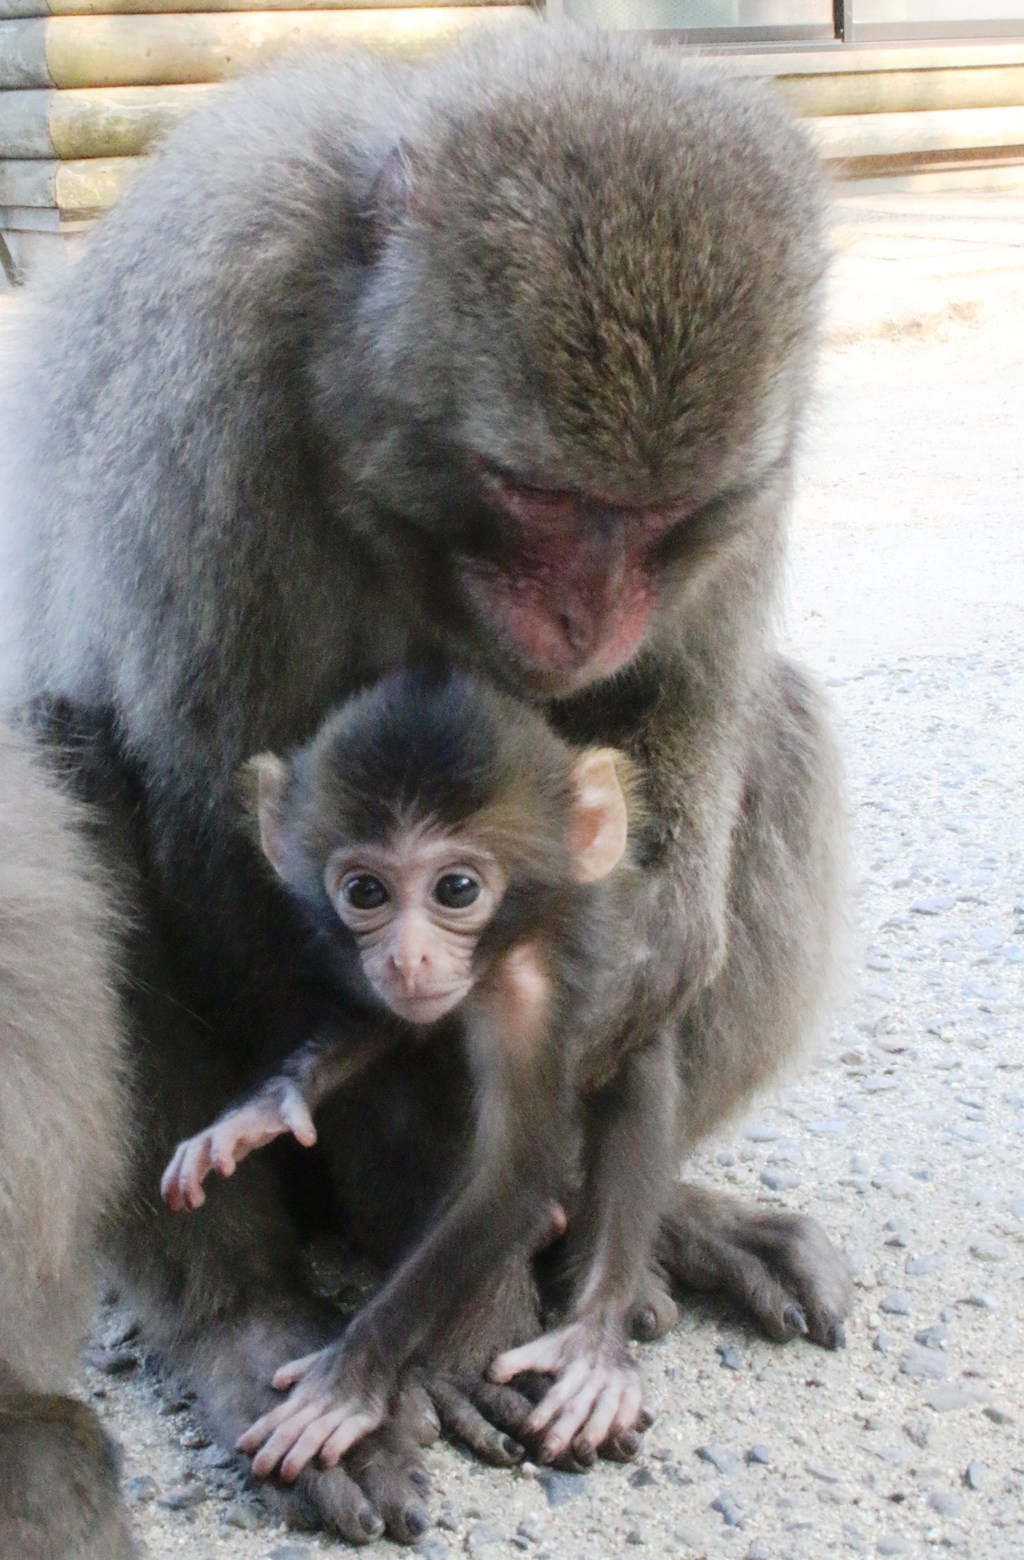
(906, 1138)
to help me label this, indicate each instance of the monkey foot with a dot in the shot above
(331, 1405)
(780, 1266)
(596, 1396)
(381, 1487)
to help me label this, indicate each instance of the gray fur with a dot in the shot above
(63, 1121)
(237, 465)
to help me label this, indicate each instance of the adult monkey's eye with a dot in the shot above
(457, 890)
(363, 891)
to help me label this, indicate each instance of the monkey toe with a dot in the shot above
(782, 1267)
(654, 1313)
(326, 1498)
(465, 1421)
(388, 1468)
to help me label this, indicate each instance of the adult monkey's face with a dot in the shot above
(585, 337)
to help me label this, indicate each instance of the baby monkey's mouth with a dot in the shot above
(425, 1007)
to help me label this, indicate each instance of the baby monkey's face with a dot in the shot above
(416, 907)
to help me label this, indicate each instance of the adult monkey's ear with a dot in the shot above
(387, 202)
(599, 821)
(265, 784)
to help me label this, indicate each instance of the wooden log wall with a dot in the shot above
(86, 86)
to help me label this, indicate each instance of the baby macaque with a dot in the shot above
(445, 846)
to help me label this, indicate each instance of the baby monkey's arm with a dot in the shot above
(283, 1103)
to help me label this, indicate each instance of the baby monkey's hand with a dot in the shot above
(336, 1398)
(596, 1396)
(232, 1137)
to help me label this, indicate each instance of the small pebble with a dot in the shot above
(184, 1497)
(917, 1431)
(924, 1365)
(634, 1536)
(921, 1267)
(731, 1514)
(932, 1337)
(641, 1479)
(895, 1304)
(532, 1529)
(726, 1461)
(482, 1535)
(883, 1343)
(560, 1487)
(976, 1476)
(891, 1546)
(294, 1552)
(758, 1551)
(945, 1400)
(112, 1362)
(731, 1358)
(141, 1490)
(998, 1416)
(946, 1503)
(758, 1453)
(983, 1302)
(241, 1514)
(432, 1548)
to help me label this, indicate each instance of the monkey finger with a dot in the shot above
(270, 1448)
(263, 1428)
(357, 1421)
(602, 1417)
(340, 1503)
(195, 1167)
(313, 1440)
(296, 1117)
(294, 1371)
(563, 1431)
(543, 1355)
(170, 1181)
(570, 1387)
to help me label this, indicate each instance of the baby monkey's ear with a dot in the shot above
(599, 824)
(265, 785)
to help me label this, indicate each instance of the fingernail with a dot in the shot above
(645, 1419)
(629, 1444)
(836, 1336)
(416, 1521)
(584, 1453)
(371, 1522)
(512, 1448)
(418, 1478)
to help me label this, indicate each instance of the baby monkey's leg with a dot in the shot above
(519, 1167)
(628, 1162)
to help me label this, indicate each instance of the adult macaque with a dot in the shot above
(499, 355)
(444, 844)
(62, 1118)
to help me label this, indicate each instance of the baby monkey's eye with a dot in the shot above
(457, 890)
(364, 892)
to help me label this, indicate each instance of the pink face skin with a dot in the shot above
(416, 911)
(575, 593)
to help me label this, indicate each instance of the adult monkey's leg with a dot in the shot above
(786, 903)
(224, 1294)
